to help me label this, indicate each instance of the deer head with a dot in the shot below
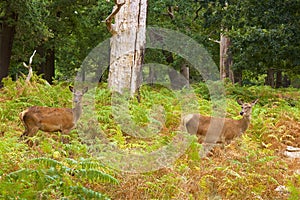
(246, 107)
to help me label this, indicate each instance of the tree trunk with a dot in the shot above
(178, 80)
(47, 68)
(238, 76)
(225, 59)
(278, 83)
(152, 75)
(128, 46)
(7, 33)
(270, 77)
(185, 72)
(286, 81)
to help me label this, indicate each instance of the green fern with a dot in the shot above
(22, 174)
(46, 174)
(47, 162)
(85, 193)
(95, 175)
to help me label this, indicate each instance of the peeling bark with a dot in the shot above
(128, 46)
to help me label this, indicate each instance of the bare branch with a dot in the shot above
(31, 57)
(29, 67)
(170, 12)
(109, 19)
(217, 41)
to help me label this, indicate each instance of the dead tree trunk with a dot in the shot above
(29, 67)
(127, 45)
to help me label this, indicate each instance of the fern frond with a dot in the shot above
(88, 164)
(22, 173)
(87, 193)
(49, 162)
(71, 161)
(90, 174)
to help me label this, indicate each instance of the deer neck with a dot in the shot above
(244, 122)
(77, 110)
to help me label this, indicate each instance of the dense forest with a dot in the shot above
(137, 146)
(262, 36)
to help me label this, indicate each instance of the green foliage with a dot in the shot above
(252, 166)
(72, 29)
(43, 176)
(52, 177)
(23, 96)
(264, 34)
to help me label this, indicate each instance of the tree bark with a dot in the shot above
(286, 82)
(226, 60)
(7, 33)
(185, 72)
(127, 46)
(278, 83)
(270, 77)
(238, 76)
(152, 76)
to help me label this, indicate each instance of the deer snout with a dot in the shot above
(242, 113)
(76, 100)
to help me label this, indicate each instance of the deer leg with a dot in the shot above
(33, 131)
(65, 138)
(24, 134)
(29, 133)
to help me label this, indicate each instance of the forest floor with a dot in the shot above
(253, 166)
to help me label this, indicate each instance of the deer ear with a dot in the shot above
(85, 89)
(239, 102)
(71, 88)
(254, 102)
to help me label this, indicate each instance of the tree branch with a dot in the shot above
(216, 41)
(109, 19)
(29, 67)
(170, 12)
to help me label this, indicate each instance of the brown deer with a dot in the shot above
(52, 119)
(218, 130)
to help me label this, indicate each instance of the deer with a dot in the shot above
(218, 130)
(50, 119)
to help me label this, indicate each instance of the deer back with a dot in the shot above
(212, 129)
(220, 129)
(48, 119)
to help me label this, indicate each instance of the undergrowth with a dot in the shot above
(251, 167)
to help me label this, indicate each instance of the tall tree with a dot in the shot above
(263, 34)
(266, 37)
(22, 31)
(8, 20)
(127, 44)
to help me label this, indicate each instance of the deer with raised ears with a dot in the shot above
(222, 130)
(50, 119)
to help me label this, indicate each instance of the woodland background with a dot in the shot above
(264, 51)
(264, 35)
